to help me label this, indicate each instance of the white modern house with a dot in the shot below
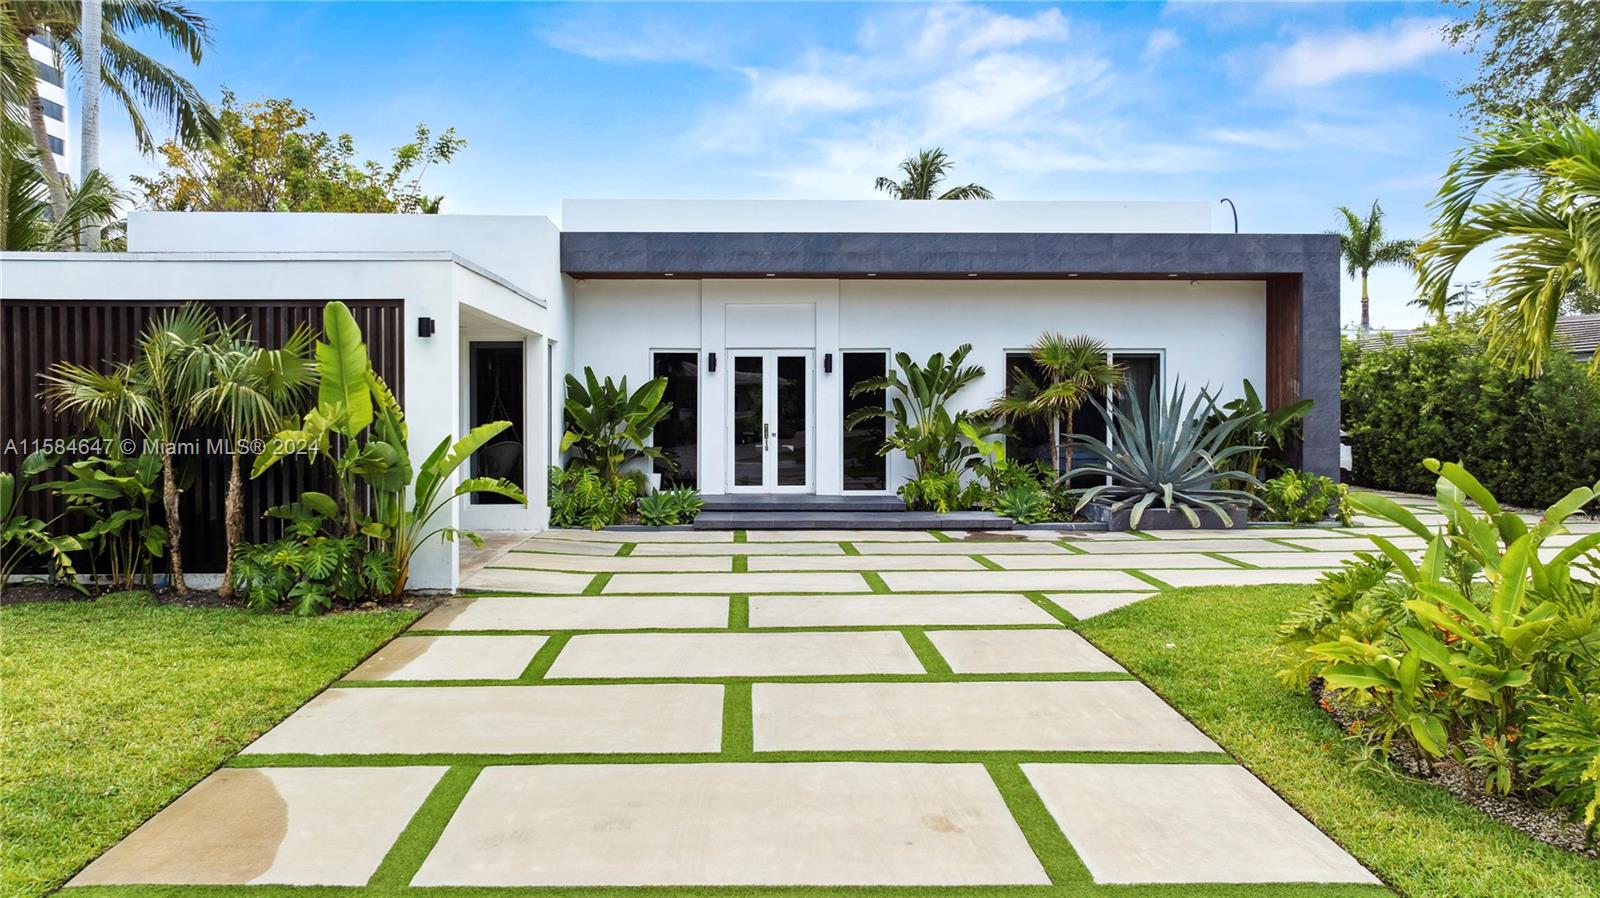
(761, 315)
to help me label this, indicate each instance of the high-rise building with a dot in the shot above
(53, 91)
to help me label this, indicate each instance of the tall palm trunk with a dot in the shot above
(169, 502)
(47, 159)
(233, 520)
(1069, 445)
(90, 136)
(1055, 444)
(1366, 319)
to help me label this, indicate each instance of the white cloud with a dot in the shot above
(640, 41)
(964, 31)
(1161, 42)
(1001, 87)
(802, 91)
(1320, 59)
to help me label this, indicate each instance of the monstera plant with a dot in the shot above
(1175, 458)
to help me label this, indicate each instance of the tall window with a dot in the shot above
(678, 435)
(1030, 440)
(864, 468)
(496, 395)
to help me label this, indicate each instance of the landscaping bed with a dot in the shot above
(115, 706)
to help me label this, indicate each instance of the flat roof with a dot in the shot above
(884, 216)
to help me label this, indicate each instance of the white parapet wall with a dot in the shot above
(885, 216)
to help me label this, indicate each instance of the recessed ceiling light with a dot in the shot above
(771, 275)
(972, 274)
(1072, 274)
(669, 274)
(872, 274)
(1171, 275)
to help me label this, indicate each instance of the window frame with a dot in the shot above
(844, 391)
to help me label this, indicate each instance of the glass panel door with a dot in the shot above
(771, 413)
(749, 420)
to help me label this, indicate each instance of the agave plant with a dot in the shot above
(1176, 458)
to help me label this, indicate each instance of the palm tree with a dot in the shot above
(922, 175)
(154, 394)
(1076, 370)
(1546, 227)
(27, 222)
(1363, 248)
(251, 393)
(93, 17)
(134, 80)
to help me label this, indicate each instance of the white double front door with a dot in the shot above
(771, 421)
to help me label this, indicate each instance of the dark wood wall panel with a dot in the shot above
(1283, 340)
(36, 334)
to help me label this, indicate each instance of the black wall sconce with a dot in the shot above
(827, 363)
(711, 362)
(424, 327)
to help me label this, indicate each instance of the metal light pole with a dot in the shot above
(1235, 210)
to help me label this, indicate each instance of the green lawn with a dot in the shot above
(1205, 651)
(113, 708)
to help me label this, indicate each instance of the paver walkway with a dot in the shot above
(762, 709)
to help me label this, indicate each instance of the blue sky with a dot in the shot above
(1289, 109)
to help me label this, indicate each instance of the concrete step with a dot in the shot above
(850, 520)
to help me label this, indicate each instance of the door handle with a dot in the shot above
(766, 435)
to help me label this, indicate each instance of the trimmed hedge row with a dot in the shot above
(1441, 396)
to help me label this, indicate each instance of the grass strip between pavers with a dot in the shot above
(941, 536)
(874, 583)
(727, 754)
(1158, 584)
(926, 652)
(847, 548)
(624, 550)
(739, 536)
(1070, 547)
(1289, 545)
(1062, 890)
(852, 628)
(986, 562)
(1051, 608)
(1056, 855)
(405, 857)
(741, 564)
(1233, 561)
(738, 614)
(598, 584)
(536, 669)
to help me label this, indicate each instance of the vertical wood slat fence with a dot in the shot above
(36, 334)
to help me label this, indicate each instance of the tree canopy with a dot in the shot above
(269, 159)
(1532, 54)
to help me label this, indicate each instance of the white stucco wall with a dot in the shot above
(1210, 332)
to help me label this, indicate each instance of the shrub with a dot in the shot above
(1483, 652)
(921, 425)
(1301, 497)
(310, 574)
(1441, 395)
(666, 508)
(607, 426)
(22, 537)
(579, 497)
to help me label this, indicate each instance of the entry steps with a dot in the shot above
(773, 511)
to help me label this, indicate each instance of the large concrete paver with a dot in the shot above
(1239, 577)
(1108, 562)
(546, 561)
(668, 717)
(541, 546)
(304, 826)
(964, 547)
(1011, 581)
(950, 562)
(727, 584)
(641, 536)
(1168, 547)
(733, 824)
(493, 579)
(578, 613)
(834, 536)
(1083, 605)
(450, 658)
(1186, 823)
(600, 655)
(1019, 651)
(894, 610)
(644, 550)
(974, 716)
(1294, 559)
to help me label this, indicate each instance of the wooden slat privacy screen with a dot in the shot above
(38, 333)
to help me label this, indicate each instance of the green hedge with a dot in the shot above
(1440, 396)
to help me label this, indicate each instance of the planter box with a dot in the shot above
(1158, 518)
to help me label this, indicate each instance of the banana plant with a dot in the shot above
(923, 428)
(405, 526)
(116, 494)
(607, 426)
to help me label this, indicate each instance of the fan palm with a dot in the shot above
(153, 395)
(1363, 248)
(252, 392)
(922, 175)
(26, 220)
(1076, 370)
(137, 82)
(1549, 222)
